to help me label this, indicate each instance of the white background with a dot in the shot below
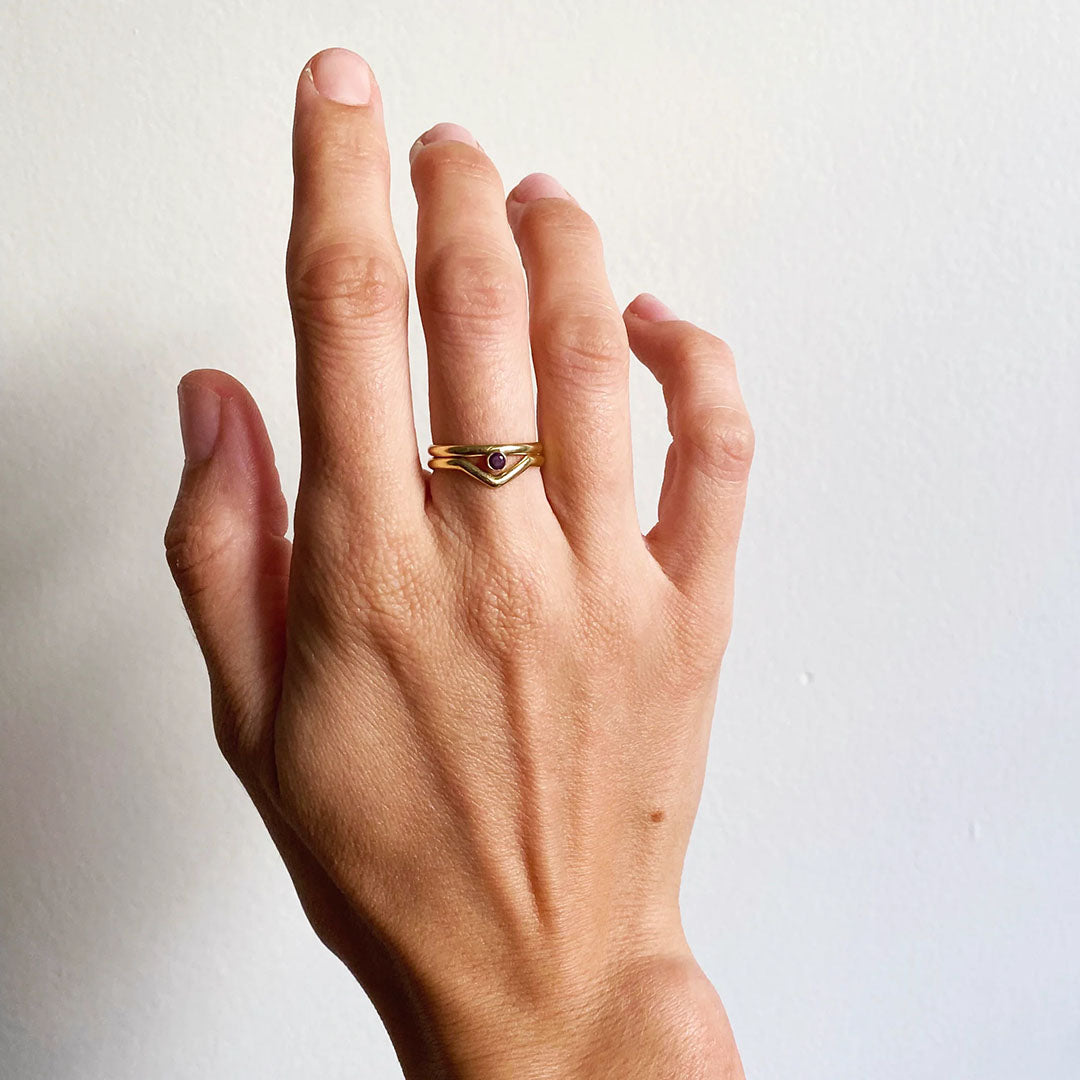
(876, 203)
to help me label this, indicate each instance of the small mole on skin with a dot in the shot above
(656, 816)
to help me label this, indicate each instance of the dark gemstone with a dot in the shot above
(496, 461)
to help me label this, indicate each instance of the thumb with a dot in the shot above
(225, 544)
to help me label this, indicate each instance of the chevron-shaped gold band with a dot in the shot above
(490, 463)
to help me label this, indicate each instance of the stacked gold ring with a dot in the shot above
(489, 464)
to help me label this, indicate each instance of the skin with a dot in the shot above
(474, 720)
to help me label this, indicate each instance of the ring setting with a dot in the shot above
(488, 463)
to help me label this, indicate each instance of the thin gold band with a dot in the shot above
(493, 468)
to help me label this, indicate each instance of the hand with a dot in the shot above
(474, 719)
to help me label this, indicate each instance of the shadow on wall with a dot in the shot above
(100, 872)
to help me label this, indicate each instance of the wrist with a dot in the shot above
(662, 1020)
(654, 1018)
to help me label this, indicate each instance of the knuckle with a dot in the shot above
(239, 740)
(510, 606)
(393, 594)
(722, 437)
(616, 603)
(699, 631)
(574, 225)
(378, 589)
(703, 350)
(343, 290)
(362, 158)
(453, 160)
(341, 148)
(587, 345)
(472, 287)
(391, 614)
(614, 620)
(192, 550)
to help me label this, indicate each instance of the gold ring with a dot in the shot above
(488, 464)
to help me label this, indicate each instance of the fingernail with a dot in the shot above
(341, 76)
(648, 307)
(538, 185)
(442, 133)
(200, 420)
(535, 186)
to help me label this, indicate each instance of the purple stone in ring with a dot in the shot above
(496, 461)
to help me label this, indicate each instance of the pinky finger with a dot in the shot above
(704, 489)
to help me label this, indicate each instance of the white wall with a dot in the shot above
(876, 202)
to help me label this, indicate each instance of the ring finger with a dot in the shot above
(472, 299)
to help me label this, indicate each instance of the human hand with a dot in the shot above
(474, 719)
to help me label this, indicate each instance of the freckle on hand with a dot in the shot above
(656, 816)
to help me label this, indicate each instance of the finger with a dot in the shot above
(472, 301)
(225, 544)
(580, 353)
(349, 294)
(704, 489)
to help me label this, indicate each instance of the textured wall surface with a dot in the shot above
(876, 203)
